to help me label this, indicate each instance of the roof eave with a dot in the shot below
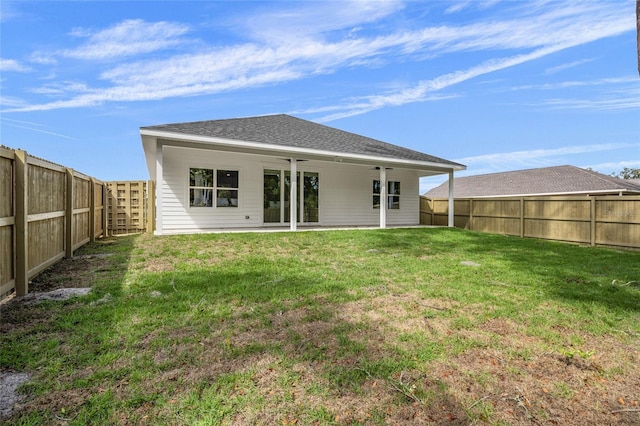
(149, 135)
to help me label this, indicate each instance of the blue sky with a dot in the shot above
(495, 85)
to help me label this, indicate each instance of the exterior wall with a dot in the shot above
(345, 192)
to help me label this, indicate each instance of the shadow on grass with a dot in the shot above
(283, 339)
(50, 339)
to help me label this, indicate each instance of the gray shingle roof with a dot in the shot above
(548, 180)
(285, 130)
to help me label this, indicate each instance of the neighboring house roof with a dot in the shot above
(290, 134)
(559, 180)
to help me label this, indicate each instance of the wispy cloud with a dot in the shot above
(562, 67)
(526, 157)
(614, 167)
(459, 6)
(278, 58)
(627, 98)
(128, 38)
(316, 19)
(34, 127)
(11, 65)
(424, 90)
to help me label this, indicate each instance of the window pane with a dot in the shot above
(227, 198)
(376, 201)
(200, 197)
(394, 202)
(201, 177)
(227, 178)
(394, 188)
(376, 186)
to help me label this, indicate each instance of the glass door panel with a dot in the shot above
(272, 198)
(277, 196)
(286, 196)
(310, 197)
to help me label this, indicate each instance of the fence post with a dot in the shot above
(151, 206)
(21, 222)
(471, 214)
(593, 221)
(68, 216)
(105, 210)
(521, 217)
(92, 210)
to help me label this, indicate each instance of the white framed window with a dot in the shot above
(393, 195)
(200, 187)
(227, 188)
(205, 183)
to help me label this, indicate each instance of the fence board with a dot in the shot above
(38, 224)
(7, 273)
(7, 221)
(619, 211)
(496, 208)
(618, 234)
(600, 220)
(46, 189)
(496, 225)
(562, 230)
(45, 241)
(560, 208)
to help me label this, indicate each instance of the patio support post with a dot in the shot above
(158, 186)
(451, 212)
(293, 196)
(383, 197)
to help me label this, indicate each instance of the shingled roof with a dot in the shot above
(559, 180)
(287, 131)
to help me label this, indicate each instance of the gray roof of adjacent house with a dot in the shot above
(291, 132)
(559, 180)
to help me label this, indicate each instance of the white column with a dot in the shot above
(159, 185)
(383, 197)
(293, 196)
(451, 213)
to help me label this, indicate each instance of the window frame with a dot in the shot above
(393, 195)
(215, 190)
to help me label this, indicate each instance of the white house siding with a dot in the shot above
(345, 192)
(346, 196)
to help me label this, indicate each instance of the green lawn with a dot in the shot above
(396, 326)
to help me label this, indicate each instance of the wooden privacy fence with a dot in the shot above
(46, 212)
(599, 220)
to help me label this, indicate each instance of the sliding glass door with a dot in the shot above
(277, 194)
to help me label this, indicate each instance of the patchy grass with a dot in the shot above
(335, 327)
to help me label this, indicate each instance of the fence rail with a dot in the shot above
(46, 212)
(599, 220)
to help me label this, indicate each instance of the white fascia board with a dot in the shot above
(331, 155)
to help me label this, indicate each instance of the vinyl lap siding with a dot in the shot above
(179, 217)
(348, 196)
(345, 192)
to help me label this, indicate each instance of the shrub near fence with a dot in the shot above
(595, 220)
(46, 212)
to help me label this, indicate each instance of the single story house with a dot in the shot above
(248, 173)
(545, 181)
